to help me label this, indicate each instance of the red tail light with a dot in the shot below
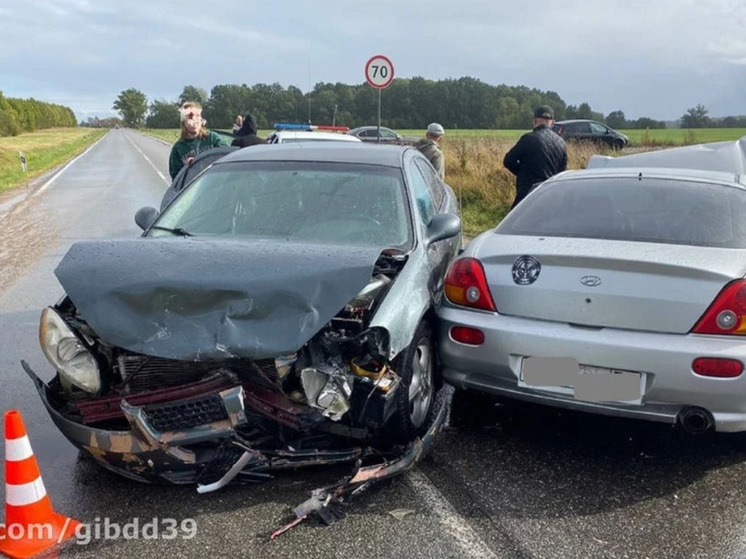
(466, 335)
(466, 285)
(727, 313)
(717, 367)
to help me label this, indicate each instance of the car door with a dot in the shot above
(432, 200)
(601, 133)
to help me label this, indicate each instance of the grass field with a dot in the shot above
(44, 150)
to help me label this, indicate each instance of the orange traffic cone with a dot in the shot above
(31, 525)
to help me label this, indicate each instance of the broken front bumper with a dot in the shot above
(143, 452)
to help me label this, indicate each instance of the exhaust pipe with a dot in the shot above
(696, 421)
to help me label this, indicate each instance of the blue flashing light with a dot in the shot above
(292, 126)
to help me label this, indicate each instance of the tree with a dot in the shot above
(132, 105)
(696, 117)
(163, 114)
(192, 93)
(616, 119)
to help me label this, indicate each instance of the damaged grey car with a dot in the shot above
(278, 313)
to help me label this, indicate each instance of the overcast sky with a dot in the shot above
(652, 58)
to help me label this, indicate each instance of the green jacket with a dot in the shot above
(184, 149)
(431, 150)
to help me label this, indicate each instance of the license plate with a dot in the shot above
(564, 375)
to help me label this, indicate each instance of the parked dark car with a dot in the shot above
(590, 130)
(278, 313)
(370, 134)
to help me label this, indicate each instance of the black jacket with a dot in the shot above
(537, 156)
(246, 135)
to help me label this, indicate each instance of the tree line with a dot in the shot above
(408, 103)
(27, 115)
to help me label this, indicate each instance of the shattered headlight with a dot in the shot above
(67, 354)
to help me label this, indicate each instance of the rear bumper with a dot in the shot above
(670, 385)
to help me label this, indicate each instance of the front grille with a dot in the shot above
(186, 414)
(148, 373)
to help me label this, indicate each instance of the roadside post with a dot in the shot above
(23, 161)
(379, 73)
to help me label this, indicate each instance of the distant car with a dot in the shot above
(285, 136)
(616, 290)
(590, 130)
(370, 134)
(279, 312)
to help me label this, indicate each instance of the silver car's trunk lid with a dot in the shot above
(601, 283)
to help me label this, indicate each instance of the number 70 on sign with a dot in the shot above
(379, 71)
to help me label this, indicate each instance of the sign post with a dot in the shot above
(379, 73)
(23, 161)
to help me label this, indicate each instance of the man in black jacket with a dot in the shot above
(246, 135)
(537, 156)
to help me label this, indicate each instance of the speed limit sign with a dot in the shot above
(379, 71)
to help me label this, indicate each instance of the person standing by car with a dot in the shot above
(537, 156)
(237, 125)
(429, 146)
(194, 138)
(246, 136)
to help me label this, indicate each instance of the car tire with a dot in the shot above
(416, 366)
(618, 144)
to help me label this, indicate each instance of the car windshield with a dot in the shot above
(303, 201)
(647, 210)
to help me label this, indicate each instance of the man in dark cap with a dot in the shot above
(537, 156)
(246, 135)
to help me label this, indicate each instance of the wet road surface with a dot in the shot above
(520, 481)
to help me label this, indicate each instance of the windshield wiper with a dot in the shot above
(176, 230)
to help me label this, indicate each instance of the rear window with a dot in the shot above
(646, 210)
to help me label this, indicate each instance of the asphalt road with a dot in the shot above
(523, 482)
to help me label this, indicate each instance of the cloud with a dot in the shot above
(644, 57)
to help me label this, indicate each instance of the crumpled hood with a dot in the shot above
(202, 299)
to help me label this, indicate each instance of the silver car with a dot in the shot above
(278, 313)
(618, 290)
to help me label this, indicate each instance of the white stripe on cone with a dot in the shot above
(18, 449)
(26, 493)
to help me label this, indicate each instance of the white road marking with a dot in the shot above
(58, 173)
(167, 181)
(452, 522)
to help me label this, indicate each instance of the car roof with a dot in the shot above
(373, 126)
(671, 173)
(573, 120)
(315, 136)
(727, 157)
(337, 152)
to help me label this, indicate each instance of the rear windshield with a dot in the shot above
(647, 210)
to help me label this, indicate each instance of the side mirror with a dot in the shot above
(145, 217)
(442, 226)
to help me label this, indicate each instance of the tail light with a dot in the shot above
(466, 285)
(466, 335)
(717, 367)
(727, 313)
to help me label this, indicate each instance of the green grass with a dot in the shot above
(680, 136)
(44, 150)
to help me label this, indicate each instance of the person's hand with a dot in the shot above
(189, 161)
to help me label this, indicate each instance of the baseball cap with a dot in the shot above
(435, 128)
(544, 111)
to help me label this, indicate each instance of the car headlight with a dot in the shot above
(64, 350)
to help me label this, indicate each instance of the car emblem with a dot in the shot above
(590, 281)
(525, 270)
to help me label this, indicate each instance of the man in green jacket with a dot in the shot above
(430, 148)
(194, 138)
